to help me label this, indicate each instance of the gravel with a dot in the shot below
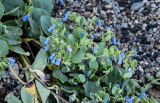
(136, 23)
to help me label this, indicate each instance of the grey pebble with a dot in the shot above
(158, 74)
(158, 59)
(136, 6)
(148, 75)
(5, 74)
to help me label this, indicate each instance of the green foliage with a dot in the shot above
(82, 70)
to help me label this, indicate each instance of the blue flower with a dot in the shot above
(95, 49)
(26, 18)
(46, 48)
(61, 2)
(46, 42)
(143, 95)
(123, 55)
(11, 61)
(66, 16)
(58, 62)
(99, 23)
(69, 49)
(81, 34)
(120, 61)
(52, 28)
(53, 61)
(114, 41)
(52, 56)
(129, 100)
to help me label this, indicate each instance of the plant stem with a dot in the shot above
(20, 80)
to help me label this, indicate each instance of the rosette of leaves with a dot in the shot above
(84, 74)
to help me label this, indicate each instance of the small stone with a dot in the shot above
(124, 25)
(141, 69)
(158, 59)
(108, 6)
(148, 75)
(5, 74)
(136, 6)
(157, 68)
(158, 74)
(151, 69)
(146, 70)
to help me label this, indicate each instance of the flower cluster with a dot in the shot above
(121, 58)
(26, 18)
(11, 61)
(66, 16)
(99, 23)
(46, 44)
(129, 100)
(143, 95)
(61, 2)
(52, 28)
(55, 61)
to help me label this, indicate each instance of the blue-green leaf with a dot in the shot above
(43, 92)
(1, 10)
(26, 96)
(18, 50)
(3, 48)
(78, 56)
(43, 4)
(40, 60)
(13, 99)
(45, 23)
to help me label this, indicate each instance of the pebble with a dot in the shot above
(148, 75)
(158, 74)
(5, 74)
(136, 6)
(158, 59)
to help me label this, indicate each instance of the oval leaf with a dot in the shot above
(43, 92)
(1, 10)
(45, 24)
(26, 96)
(3, 48)
(78, 56)
(48, 6)
(18, 50)
(40, 61)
